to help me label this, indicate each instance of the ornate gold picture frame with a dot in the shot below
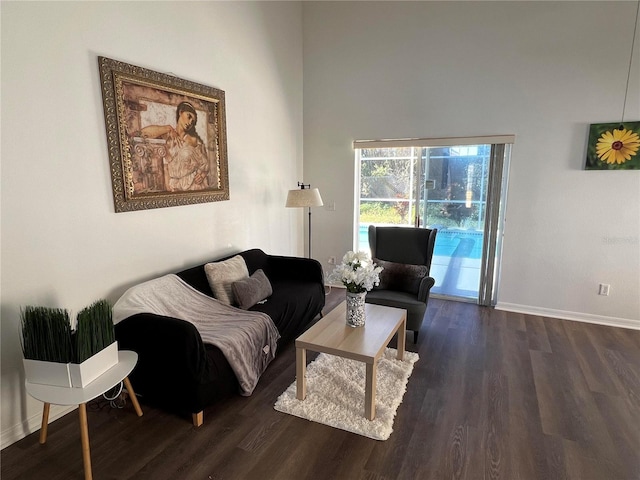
(166, 138)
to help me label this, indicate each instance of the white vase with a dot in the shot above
(355, 309)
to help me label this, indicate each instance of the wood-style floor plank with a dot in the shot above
(495, 395)
(537, 333)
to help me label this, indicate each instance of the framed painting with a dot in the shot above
(613, 146)
(166, 138)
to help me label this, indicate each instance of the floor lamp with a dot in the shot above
(305, 196)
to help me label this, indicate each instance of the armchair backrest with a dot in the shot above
(403, 244)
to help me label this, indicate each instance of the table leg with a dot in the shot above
(301, 371)
(370, 391)
(45, 423)
(132, 395)
(402, 338)
(84, 437)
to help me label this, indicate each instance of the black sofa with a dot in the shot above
(176, 371)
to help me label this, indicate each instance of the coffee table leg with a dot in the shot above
(84, 437)
(370, 391)
(301, 371)
(402, 338)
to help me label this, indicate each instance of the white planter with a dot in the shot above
(48, 373)
(71, 374)
(86, 372)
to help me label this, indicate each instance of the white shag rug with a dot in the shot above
(335, 393)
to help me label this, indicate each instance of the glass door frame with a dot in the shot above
(500, 149)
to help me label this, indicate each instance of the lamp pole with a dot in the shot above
(309, 232)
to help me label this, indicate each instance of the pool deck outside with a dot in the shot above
(455, 277)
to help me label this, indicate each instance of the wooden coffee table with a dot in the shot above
(366, 344)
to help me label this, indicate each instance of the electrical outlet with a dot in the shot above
(332, 260)
(604, 289)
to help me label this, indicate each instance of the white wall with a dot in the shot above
(62, 243)
(540, 70)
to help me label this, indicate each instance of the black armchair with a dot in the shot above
(405, 253)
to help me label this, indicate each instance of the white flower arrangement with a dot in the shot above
(356, 272)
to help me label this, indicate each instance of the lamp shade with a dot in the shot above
(304, 197)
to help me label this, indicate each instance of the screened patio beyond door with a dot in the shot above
(445, 184)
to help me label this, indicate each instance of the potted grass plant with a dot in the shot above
(46, 345)
(94, 330)
(94, 344)
(54, 354)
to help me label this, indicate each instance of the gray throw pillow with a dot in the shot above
(252, 290)
(221, 276)
(401, 277)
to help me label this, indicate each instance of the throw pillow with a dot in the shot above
(252, 290)
(402, 277)
(221, 276)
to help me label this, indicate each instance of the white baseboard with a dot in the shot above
(33, 424)
(574, 316)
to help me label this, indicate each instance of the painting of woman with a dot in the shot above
(186, 165)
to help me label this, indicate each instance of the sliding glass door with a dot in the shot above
(455, 187)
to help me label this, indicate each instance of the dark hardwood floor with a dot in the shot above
(495, 395)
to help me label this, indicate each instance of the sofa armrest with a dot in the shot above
(425, 288)
(295, 269)
(171, 353)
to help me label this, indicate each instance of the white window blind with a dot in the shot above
(435, 142)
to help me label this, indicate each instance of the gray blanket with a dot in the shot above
(247, 339)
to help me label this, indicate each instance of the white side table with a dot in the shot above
(80, 396)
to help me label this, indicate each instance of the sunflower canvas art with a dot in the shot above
(614, 146)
